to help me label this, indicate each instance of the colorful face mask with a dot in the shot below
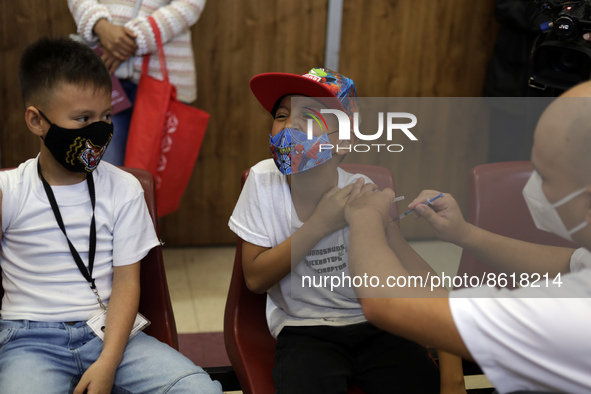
(78, 150)
(293, 152)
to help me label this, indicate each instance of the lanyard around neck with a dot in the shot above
(87, 273)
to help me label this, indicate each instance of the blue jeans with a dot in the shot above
(47, 357)
(115, 153)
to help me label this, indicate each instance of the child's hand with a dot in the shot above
(97, 379)
(364, 200)
(330, 211)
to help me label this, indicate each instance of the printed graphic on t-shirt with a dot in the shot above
(329, 260)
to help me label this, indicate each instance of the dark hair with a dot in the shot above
(50, 61)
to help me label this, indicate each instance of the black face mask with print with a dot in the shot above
(78, 150)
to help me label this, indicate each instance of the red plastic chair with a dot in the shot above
(154, 299)
(497, 205)
(249, 344)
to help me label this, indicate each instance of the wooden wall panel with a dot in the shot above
(423, 48)
(22, 22)
(235, 40)
(390, 48)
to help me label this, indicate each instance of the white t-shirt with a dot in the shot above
(264, 216)
(541, 343)
(40, 277)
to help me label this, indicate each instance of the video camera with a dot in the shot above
(561, 57)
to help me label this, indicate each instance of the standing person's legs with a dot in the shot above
(150, 366)
(115, 153)
(386, 363)
(311, 360)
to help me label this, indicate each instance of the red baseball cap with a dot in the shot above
(268, 88)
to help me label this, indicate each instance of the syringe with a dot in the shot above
(429, 201)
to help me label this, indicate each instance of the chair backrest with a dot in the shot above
(497, 205)
(249, 344)
(155, 302)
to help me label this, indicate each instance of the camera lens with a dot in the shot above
(559, 66)
(566, 27)
(566, 61)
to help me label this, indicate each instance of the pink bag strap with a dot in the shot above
(161, 57)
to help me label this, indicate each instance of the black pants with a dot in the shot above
(324, 359)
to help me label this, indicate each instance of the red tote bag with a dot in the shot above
(165, 135)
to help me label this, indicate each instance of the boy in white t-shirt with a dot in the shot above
(73, 232)
(291, 209)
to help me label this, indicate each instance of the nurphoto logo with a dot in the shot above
(390, 119)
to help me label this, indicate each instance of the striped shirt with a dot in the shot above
(174, 19)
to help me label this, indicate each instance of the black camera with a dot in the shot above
(561, 57)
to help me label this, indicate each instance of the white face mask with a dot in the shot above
(544, 213)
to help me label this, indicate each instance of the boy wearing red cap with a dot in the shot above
(324, 342)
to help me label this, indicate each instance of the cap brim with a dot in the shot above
(270, 87)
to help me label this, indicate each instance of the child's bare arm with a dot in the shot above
(263, 267)
(122, 310)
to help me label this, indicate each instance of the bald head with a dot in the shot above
(581, 90)
(563, 134)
